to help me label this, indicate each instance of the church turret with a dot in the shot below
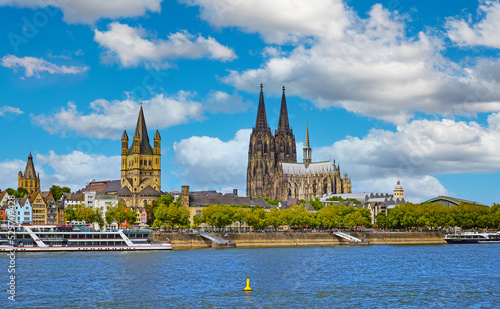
(124, 151)
(124, 143)
(307, 149)
(157, 141)
(157, 156)
(136, 144)
(398, 191)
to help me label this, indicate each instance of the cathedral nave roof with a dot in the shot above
(313, 168)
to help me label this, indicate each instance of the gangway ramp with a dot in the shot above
(37, 239)
(125, 238)
(217, 241)
(347, 236)
(213, 238)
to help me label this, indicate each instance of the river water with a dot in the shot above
(438, 276)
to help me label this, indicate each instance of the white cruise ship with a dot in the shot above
(45, 238)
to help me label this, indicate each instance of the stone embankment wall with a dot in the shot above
(194, 241)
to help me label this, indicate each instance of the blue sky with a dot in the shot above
(393, 88)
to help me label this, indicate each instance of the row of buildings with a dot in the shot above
(34, 208)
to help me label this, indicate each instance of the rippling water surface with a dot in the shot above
(440, 276)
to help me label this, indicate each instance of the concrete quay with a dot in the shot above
(286, 239)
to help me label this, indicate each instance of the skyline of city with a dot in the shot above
(409, 94)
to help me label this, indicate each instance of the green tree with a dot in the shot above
(172, 216)
(19, 193)
(299, 216)
(57, 192)
(257, 218)
(196, 221)
(316, 204)
(70, 213)
(218, 216)
(22, 191)
(170, 213)
(381, 220)
(359, 217)
(275, 218)
(241, 215)
(120, 214)
(341, 199)
(82, 213)
(329, 216)
(272, 202)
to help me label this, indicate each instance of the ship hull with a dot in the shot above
(83, 248)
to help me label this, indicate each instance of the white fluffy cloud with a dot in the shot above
(130, 46)
(35, 66)
(89, 11)
(73, 170)
(368, 65)
(278, 21)
(220, 101)
(108, 119)
(417, 189)
(423, 147)
(416, 152)
(8, 173)
(76, 169)
(486, 32)
(210, 163)
(9, 109)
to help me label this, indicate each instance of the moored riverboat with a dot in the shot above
(46, 238)
(473, 238)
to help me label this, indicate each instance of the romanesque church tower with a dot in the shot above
(140, 166)
(30, 180)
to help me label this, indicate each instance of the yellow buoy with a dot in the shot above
(247, 288)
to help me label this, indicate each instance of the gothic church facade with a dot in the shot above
(273, 170)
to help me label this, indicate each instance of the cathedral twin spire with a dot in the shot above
(283, 125)
(261, 123)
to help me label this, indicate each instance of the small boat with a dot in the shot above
(473, 238)
(46, 238)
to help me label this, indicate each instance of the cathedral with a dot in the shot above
(30, 180)
(141, 166)
(273, 170)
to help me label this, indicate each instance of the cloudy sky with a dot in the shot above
(407, 89)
